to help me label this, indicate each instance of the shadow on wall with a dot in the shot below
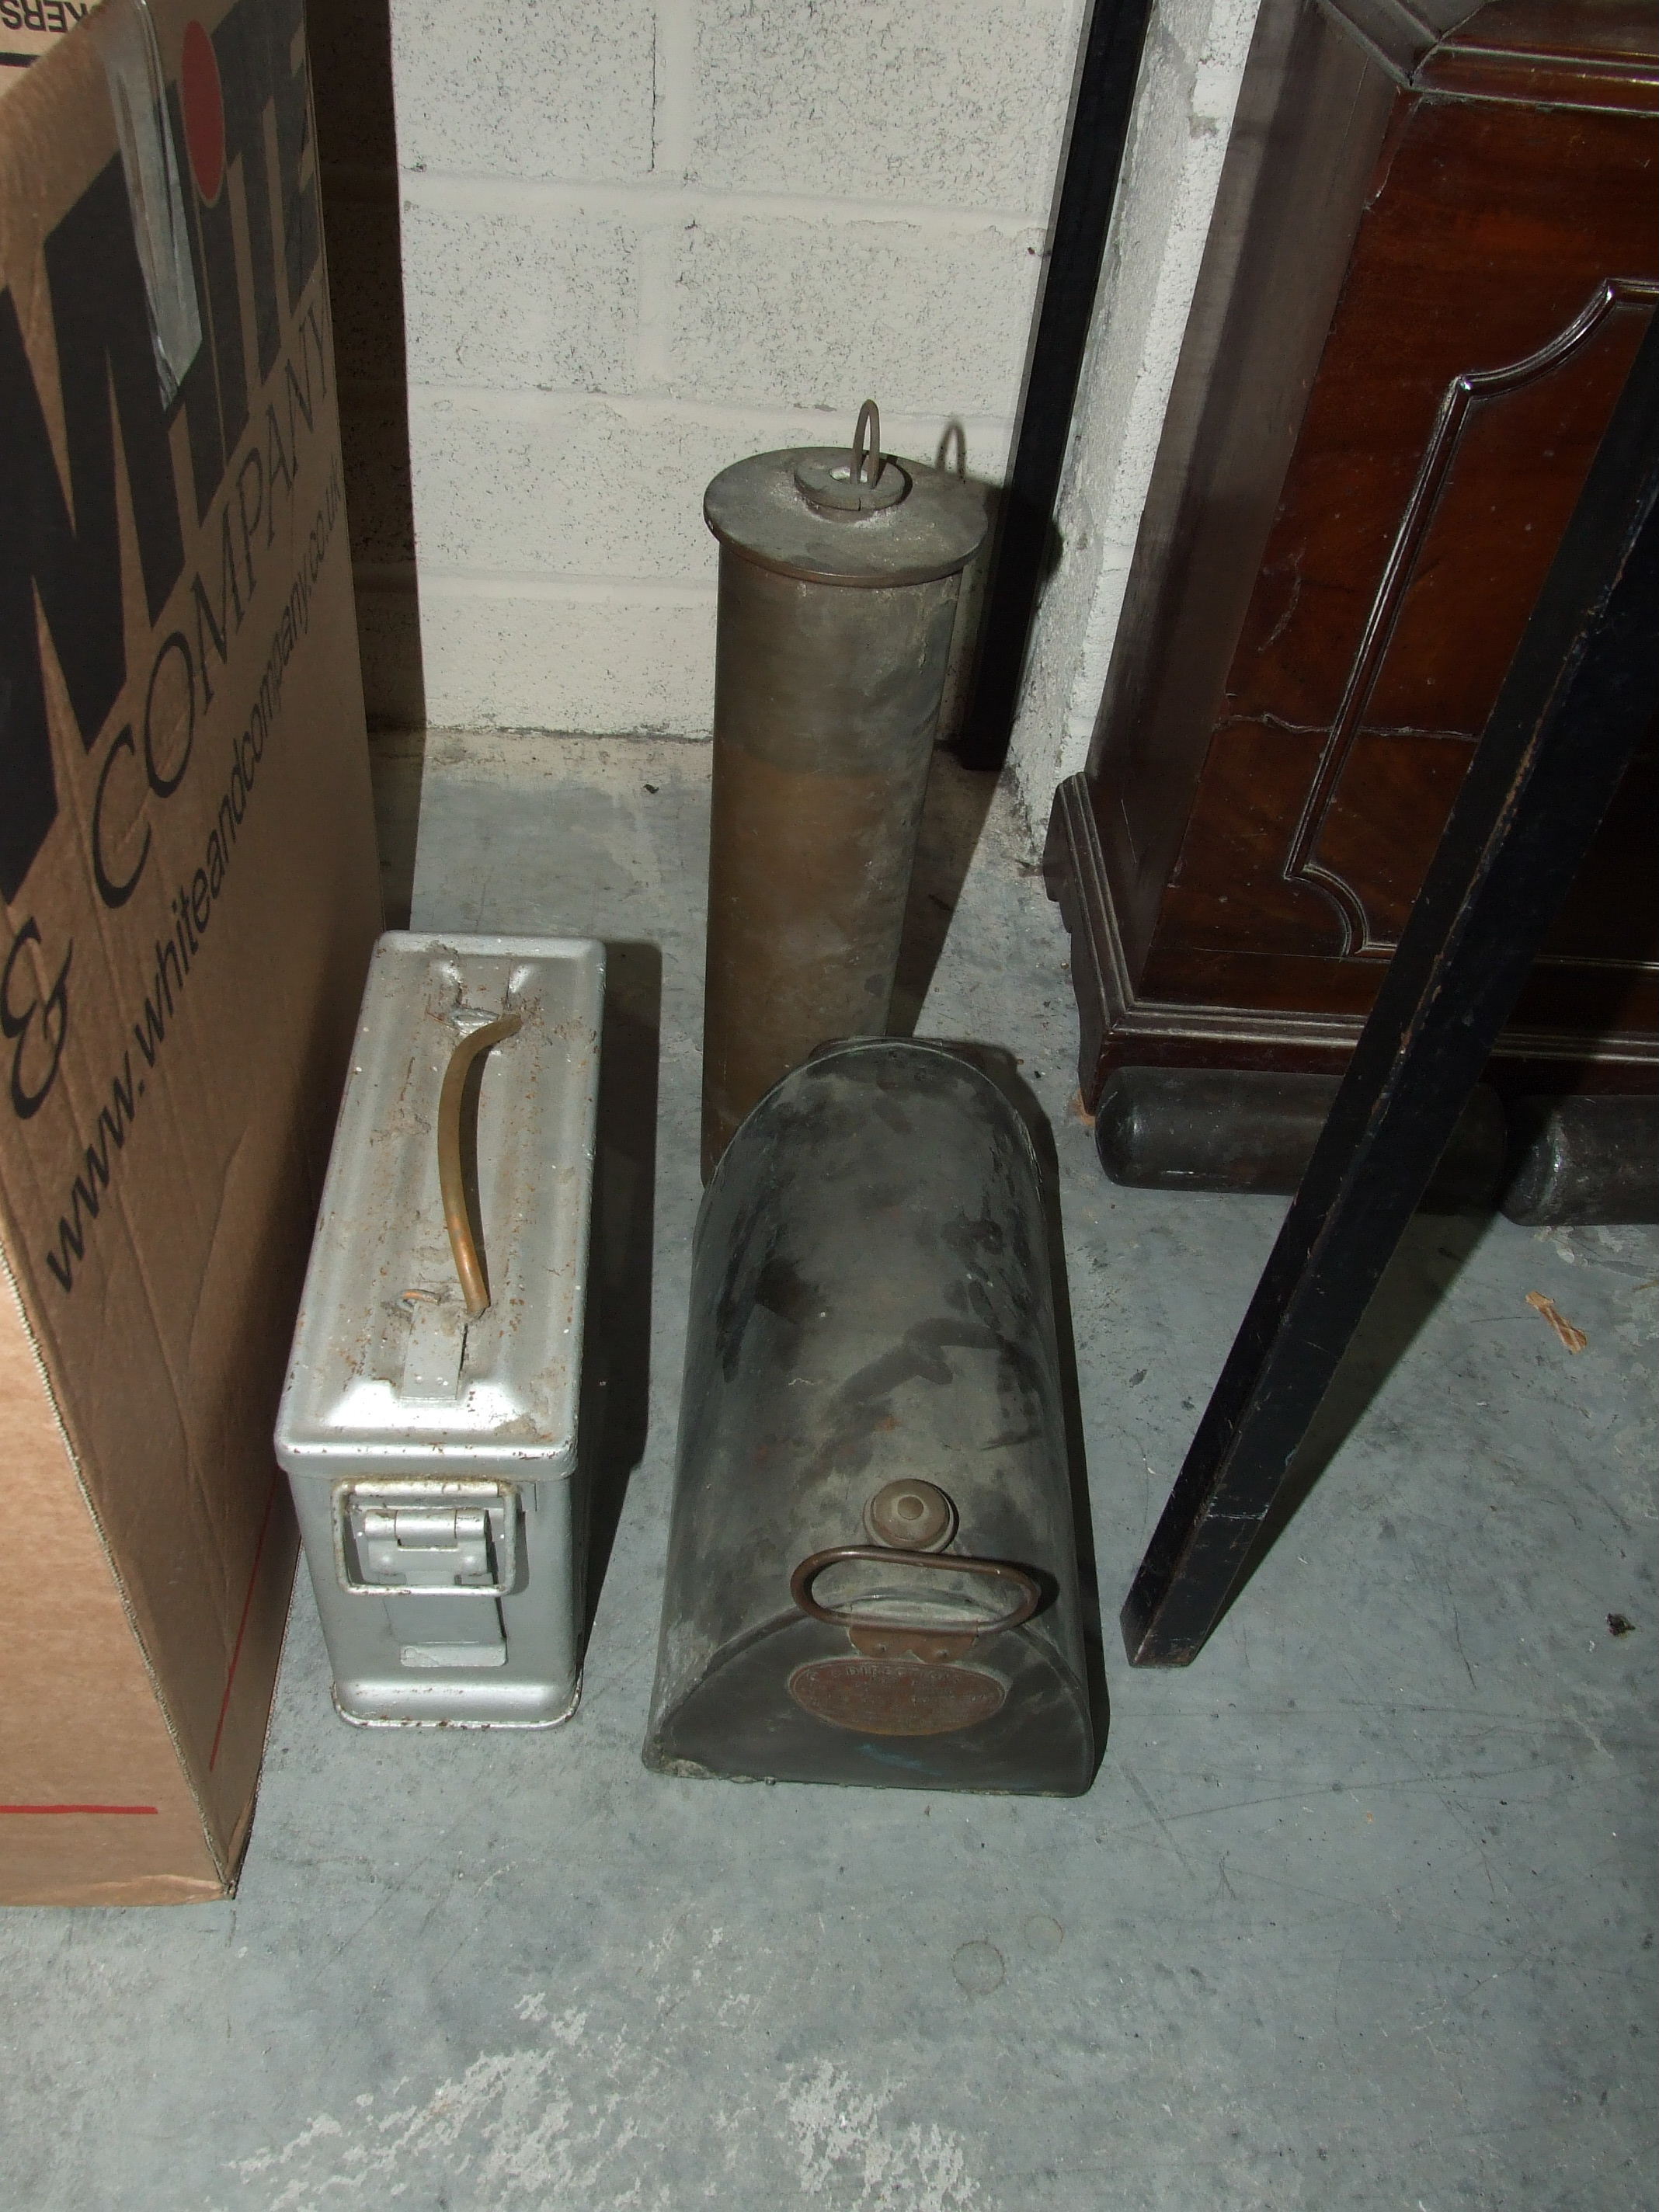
(350, 43)
(958, 798)
(953, 818)
(988, 668)
(953, 457)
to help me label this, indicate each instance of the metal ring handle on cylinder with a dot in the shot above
(869, 421)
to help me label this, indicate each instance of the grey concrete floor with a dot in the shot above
(1358, 1914)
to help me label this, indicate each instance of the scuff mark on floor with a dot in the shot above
(596, 2121)
(505, 2131)
(839, 2137)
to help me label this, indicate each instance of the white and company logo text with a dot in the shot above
(249, 428)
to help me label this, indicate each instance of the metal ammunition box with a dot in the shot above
(429, 1422)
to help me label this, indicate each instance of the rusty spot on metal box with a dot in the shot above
(896, 1697)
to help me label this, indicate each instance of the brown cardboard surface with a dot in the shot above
(98, 1809)
(28, 28)
(187, 855)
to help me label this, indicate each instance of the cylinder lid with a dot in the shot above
(761, 508)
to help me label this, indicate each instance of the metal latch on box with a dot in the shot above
(417, 1548)
(416, 1537)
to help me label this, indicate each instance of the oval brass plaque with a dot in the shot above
(895, 1696)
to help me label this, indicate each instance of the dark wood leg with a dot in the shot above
(1579, 696)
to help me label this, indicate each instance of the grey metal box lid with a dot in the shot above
(388, 1374)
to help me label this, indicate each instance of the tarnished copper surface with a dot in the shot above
(917, 1516)
(833, 641)
(932, 531)
(895, 1696)
(807, 880)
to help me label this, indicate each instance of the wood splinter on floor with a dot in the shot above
(1574, 1338)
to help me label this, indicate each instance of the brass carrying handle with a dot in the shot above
(451, 1185)
(801, 1581)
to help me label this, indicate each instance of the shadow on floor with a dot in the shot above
(616, 1338)
(1430, 1257)
(952, 822)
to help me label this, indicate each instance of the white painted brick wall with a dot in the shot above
(641, 240)
(526, 89)
(953, 105)
(503, 300)
(768, 310)
(1191, 69)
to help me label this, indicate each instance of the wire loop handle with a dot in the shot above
(867, 445)
(451, 1183)
(801, 1581)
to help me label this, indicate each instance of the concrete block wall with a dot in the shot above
(1191, 69)
(639, 239)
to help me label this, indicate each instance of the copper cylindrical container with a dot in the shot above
(839, 575)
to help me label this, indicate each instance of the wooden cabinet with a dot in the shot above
(1435, 253)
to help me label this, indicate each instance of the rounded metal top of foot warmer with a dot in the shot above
(872, 1573)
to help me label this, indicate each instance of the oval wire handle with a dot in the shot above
(801, 1581)
(867, 463)
(451, 1184)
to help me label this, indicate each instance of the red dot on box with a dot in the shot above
(203, 103)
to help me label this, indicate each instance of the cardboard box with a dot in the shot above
(27, 27)
(187, 865)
